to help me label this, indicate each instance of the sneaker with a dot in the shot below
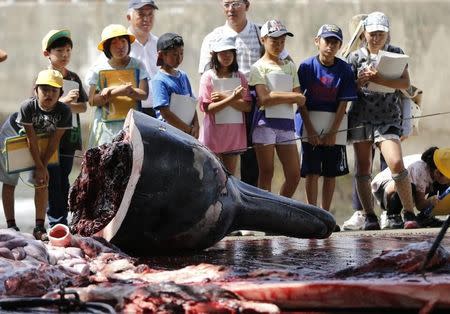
(355, 222)
(410, 220)
(337, 228)
(40, 233)
(393, 221)
(425, 220)
(371, 222)
(14, 228)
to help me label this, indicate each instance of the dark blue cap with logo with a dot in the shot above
(330, 30)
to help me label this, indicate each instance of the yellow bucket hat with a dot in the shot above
(53, 35)
(50, 77)
(441, 159)
(114, 30)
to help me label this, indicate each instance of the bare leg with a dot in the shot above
(311, 188)
(8, 201)
(40, 201)
(328, 186)
(230, 162)
(265, 156)
(363, 156)
(290, 161)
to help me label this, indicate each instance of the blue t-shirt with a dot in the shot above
(163, 85)
(325, 86)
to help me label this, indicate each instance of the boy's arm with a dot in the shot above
(329, 139)
(53, 144)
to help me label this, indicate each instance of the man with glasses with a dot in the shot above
(141, 15)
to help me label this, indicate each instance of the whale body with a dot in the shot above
(155, 190)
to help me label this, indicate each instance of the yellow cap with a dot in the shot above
(441, 159)
(53, 35)
(50, 77)
(114, 30)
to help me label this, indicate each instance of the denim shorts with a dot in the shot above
(266, 135)
(325, 161)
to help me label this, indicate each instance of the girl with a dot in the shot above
(115, 44)
(276, 129)
(375, 119)
(424, 174)
(224, 139)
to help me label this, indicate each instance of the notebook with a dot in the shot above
(18, 156)
(183, 106)
(119, 106)
(390, 65)
(322, 121)
(280, 82)
(228, 115)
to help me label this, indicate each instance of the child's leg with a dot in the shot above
(230, 162)
(328, 186)
(58, 190)
(311, 188)
(392, 153)
(290, 160)
(8, 204)
(265, 157)
(363, 157)
(40, 201)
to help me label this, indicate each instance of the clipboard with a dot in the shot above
(227, 115)
(322, 121)
(390, 65)
(18, 156)
(280, 82)
(183, 106)
(118, 107)
(69, 85)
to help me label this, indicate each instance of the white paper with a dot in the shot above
(227, 115)
(183, 106)
(390, 65)
(322, 121)
(69, 85)
(280, 82)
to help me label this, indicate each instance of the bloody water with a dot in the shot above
(279, 258)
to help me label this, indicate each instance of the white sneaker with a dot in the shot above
(356, 222)
(252, 233)
(384, 220)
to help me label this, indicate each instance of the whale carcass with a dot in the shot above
(155, 189)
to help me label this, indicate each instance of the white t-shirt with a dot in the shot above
(148, 55)
(418, 173)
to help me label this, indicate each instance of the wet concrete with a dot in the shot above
(302, 259)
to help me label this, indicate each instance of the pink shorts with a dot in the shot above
(266, 135)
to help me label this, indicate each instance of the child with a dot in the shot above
(276, 131)
(329, 84)
(3, 55)
(40, 114)
(170, 81)
(423, 172)
(57, 47)
(375, 118)
(225, 139)
(115, 44)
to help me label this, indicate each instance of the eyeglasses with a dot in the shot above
(233, 5)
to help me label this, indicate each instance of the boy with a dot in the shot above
(57, 47)
(42, 113)
(170, 81)
(328, 83)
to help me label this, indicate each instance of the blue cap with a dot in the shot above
(137, 4)
(330, 30)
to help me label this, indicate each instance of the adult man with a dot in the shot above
(248, 50)
(140, 15)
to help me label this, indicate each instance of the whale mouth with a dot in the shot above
(97, 193)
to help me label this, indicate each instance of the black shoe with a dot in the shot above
(371, 222)
(425, 220)
(394, 221)
(337, 228)
(14, 228)
(40, 233)
(410, 220)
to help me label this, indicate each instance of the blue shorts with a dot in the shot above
(266, 135)
(325, 161)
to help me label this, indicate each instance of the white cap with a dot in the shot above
(376, 21)
(274, 28)
(223, 44)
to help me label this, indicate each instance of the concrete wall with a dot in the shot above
(420, 27)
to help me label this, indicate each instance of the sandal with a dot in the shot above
(40, 233)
